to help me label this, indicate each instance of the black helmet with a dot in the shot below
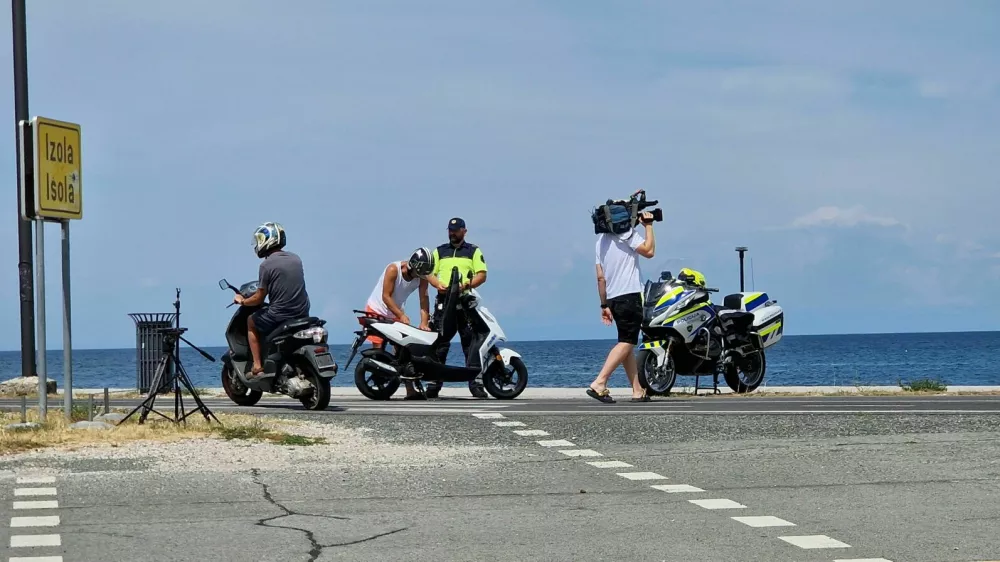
(421, 262)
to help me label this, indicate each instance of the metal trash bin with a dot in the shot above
(149, 348)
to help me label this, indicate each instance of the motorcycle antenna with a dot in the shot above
(171, 357)
(753, 283)
(742, 250)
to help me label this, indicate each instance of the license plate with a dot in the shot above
(324, 360)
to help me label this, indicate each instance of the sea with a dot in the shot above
(832, 360)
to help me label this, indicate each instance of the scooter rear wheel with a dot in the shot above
(500, 374)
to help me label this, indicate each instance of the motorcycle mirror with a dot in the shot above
(223, 284)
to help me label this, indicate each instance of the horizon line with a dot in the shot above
(589, 339)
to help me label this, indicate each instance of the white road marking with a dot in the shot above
(719, 503)
(676, 488)
(36, 480)
(34, 491)
(488, 416)
(509, 424)
(609, 464)
(531, 432)
(49, 504)
(862, 560)
(27, 541)
(37, 559)
(764, 521)
(814, 541)
(556, 443)
(43, 521)
(642, 476)
(581, 453)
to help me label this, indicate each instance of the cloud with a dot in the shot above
(843, 217)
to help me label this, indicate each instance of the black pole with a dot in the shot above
(25, 265)
(741, 250)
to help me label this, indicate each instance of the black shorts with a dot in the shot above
(264, 322)
(627, 313)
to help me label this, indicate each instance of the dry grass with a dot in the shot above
(57, 433)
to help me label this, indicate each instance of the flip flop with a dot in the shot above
(643, 399)
(604, 396)
(415, 397)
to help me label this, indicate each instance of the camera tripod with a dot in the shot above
(171, 356)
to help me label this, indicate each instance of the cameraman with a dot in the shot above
(620, 288)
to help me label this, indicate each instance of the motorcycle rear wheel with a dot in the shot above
(742, 383)
(238, 392)
(374, 390)
(657, 382)
(499, 370)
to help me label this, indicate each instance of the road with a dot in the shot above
(685, 479)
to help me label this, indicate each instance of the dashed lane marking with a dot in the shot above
(37, 559)
(44, 504)
(868, 560)
(531, 432)
(764, 521)
(676, 488)
(34, 491)
(29, 541)
(581, 453)
(719, 503)
(42, 521)
(36, 480)
(509, 424)
(487, 416)
(641, 476)
(810, 542)
(556, 443)
(609, 464)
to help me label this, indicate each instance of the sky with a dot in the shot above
(851, 145)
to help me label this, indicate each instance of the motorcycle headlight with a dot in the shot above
(316, 333)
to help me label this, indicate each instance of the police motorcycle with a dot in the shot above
(297, 360)
(415, 357)
(685, 334)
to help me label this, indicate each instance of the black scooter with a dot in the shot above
(297, 360)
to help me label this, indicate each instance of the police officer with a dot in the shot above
(467, 258)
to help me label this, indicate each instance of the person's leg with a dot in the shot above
(626, 311)
(632, 323)
(254, 341)
(466, 335)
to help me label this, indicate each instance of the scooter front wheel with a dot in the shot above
(499, 380)
(373, 385)
(236, 390)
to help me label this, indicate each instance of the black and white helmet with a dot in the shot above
(421, 262)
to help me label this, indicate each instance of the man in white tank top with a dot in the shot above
(395, 285)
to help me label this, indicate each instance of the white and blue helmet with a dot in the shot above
(268, 236)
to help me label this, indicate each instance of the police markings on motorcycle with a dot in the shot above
(805, 542)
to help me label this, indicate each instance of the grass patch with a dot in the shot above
(924, 385)
(55, 432)
(258, 430)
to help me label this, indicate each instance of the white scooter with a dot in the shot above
(415, 351)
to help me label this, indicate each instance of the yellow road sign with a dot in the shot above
(58, 169)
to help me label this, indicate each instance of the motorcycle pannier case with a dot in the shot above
(769, 318)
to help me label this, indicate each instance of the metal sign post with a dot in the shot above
(52, 164)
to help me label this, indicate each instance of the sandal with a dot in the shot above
(643, 399)
(603, 396)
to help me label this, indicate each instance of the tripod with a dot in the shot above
(171, 356)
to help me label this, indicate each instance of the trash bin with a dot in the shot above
(149, 348)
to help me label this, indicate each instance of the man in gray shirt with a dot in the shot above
(282, 280)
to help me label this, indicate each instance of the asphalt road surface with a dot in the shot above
(700, 479)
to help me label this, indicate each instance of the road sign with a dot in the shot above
(58, 169)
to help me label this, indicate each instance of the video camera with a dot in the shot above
(622, 215)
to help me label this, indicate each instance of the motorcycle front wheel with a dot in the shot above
(656, 380)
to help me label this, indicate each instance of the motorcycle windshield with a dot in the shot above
(653, 292)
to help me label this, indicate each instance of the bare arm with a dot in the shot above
(648, 247)
(255, 299)
(425, 305)
(602, 285)
(478, 280)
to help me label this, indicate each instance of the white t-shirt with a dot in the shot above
(400, 291)
(617, 257)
